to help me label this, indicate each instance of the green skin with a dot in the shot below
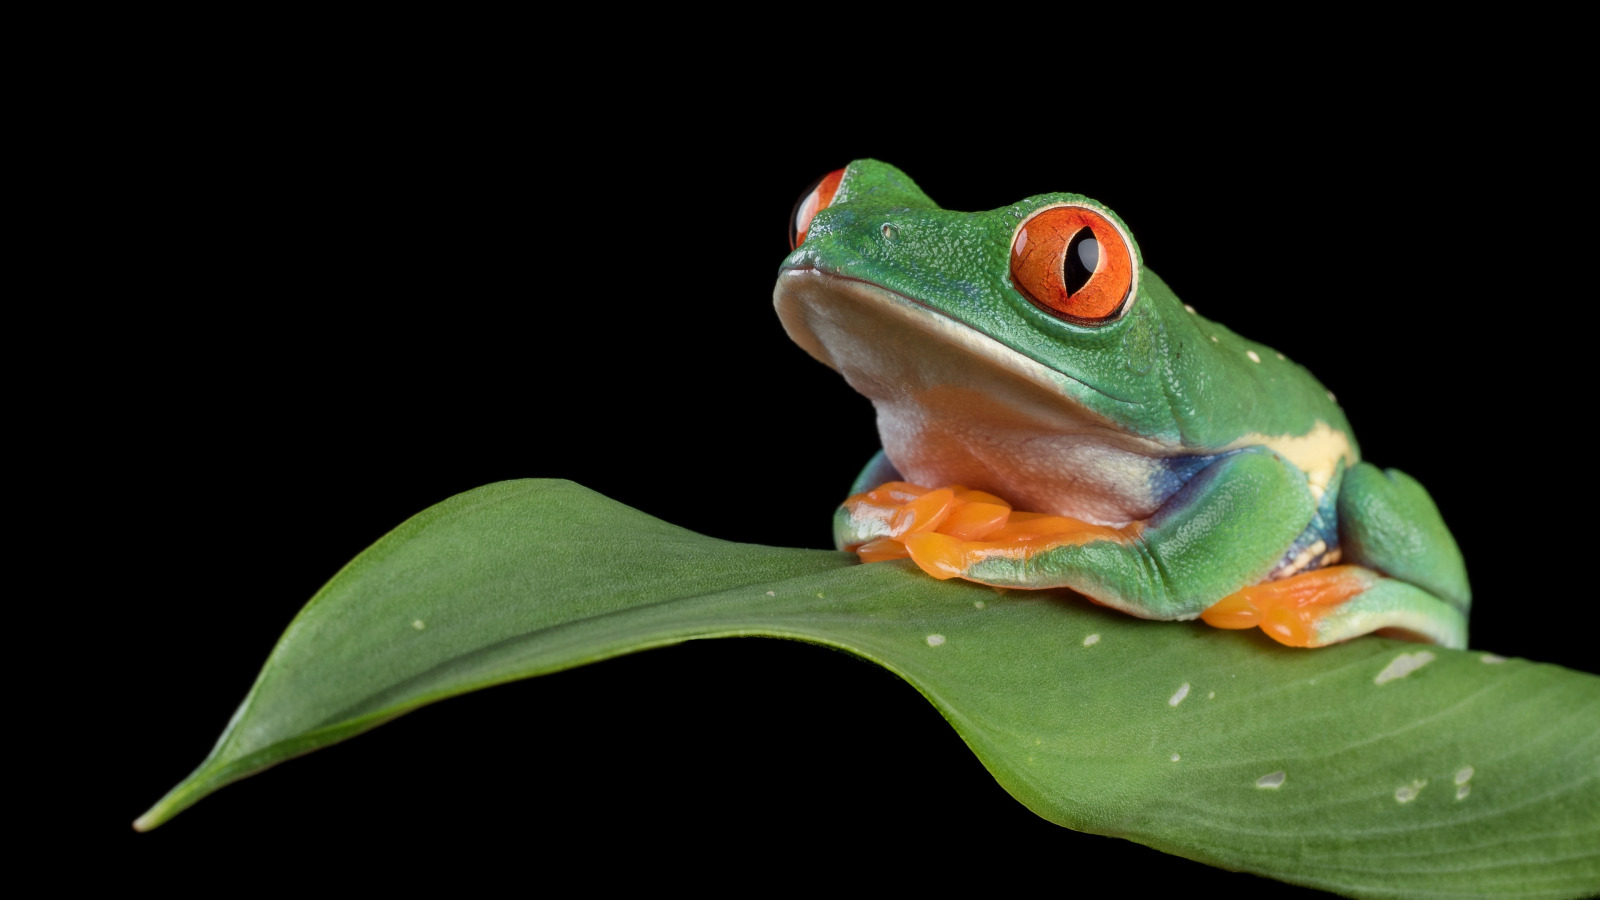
(1237, 462)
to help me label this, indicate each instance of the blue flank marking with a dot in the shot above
(1175, 472)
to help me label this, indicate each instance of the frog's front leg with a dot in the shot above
(1225, 529)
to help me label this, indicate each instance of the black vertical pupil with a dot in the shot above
(1082, 258)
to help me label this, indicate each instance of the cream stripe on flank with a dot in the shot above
(1316, 453)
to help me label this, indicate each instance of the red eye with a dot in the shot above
(1073, 263)
(812, 202)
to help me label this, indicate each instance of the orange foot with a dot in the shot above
(948, 530)
(1288, 610)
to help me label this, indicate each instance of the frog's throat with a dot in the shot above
(955, 406)
(812, 301)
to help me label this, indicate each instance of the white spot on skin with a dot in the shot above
(1463, 791)
(1253, 357)
(1491, 659)
(1403, 665)
(977, 604)
(419, 624)
(1464, 776)
(1274, 780)
(1174, 757)
(1091, 640)
(1189, 308)
(1178, 697)
(935, 640)
(1406, 793)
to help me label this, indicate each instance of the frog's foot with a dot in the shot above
(950, 532)
(1329, 605)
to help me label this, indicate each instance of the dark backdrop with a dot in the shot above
(372, 290)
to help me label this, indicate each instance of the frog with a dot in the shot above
(1053, 417)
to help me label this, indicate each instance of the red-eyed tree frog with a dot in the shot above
(1053, 416)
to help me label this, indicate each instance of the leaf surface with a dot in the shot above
(1372, 768)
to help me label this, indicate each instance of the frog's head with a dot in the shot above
(1036, 309)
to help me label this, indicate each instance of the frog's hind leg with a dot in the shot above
(1387, 522)
(1405, 578)
(1325, 606)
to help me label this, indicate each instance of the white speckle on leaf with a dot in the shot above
(1214, 339)
(1174, 757)
(1491, 659)
(1464, 776)
(1272, 780)
(1404, 665)
(1281, 356)
(1183, 691)
(1463, 791)
(1091, 640)
(1189, 308)
(1211, 696)
(1406, 793)
(1332, 397)
(1253, 357)
(977, 604)
(772, 593)
(935, 640)
(419, 624)
(821, 596)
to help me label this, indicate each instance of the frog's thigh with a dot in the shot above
(1387, 522)
(1225, 529)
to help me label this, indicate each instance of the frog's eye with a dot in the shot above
(813, 201)
(1073, 263)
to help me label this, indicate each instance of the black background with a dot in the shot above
(353, 291)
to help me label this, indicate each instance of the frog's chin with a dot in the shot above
(956, 406)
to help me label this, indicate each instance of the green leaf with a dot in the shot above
(1373, 768)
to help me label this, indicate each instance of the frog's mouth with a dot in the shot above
(864, 331)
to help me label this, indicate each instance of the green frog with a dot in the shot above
(1053, 416)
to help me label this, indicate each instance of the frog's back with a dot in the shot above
(1226, 391)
